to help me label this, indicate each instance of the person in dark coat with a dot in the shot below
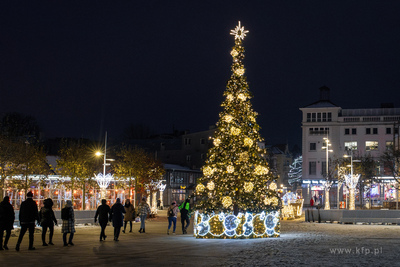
(117, 217)
(68, 224)
(47, 219)
(185, 210)
(28, 214)
(7, 217)
(103, 211)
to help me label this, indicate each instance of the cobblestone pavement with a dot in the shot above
(301, 243)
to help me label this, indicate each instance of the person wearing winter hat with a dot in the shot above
(68, 223)
(47, 219)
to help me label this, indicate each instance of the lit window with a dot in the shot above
(389, 145)
(371, 145)
(350, 145)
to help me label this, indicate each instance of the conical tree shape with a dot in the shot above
(236, 176)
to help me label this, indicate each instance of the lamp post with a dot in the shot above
(104, 180)
(328, 183)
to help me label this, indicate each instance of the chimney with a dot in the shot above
(324, 93)
(387, 105)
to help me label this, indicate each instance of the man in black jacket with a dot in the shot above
(28, 214)
(103, 212)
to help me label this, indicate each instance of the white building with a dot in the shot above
(366, 131)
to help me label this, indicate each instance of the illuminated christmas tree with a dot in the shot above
(236, 179)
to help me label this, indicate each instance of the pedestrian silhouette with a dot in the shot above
(117, 218)
(68, 223)
(47, 219)
(143, 211)
(7, 217)
(28, 214)
(103, 212)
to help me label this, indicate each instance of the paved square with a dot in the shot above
(300, 243)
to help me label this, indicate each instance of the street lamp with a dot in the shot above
(328, 183)
(326, 147)
(104, 180)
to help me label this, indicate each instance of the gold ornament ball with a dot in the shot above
(210, 185)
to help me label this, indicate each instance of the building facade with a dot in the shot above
(358, 132)
(192, 151)
(280, 159)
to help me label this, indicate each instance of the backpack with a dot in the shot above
(171, 212)
(65, 213)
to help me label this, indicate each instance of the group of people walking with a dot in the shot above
(29, 215)
(115, 214)
(118, 214)
(173, 211)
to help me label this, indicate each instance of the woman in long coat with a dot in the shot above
(47, 220)
(7, 217)
(129, 215)
(68, 225)
(117, 217)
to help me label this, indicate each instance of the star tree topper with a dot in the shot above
(239, 32)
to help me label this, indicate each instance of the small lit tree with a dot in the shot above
(295, 172)
(329, 178)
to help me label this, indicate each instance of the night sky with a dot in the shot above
(85, 67)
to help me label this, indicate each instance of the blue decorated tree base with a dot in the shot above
(244, 225)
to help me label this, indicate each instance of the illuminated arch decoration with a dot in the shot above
(244, 225)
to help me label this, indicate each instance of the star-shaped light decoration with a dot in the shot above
(239, 32)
